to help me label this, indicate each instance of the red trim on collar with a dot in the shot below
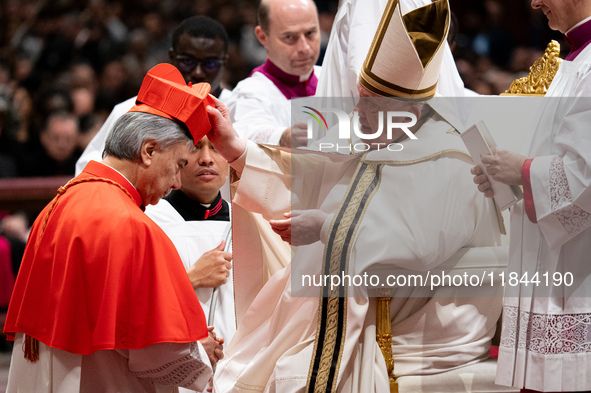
(212, 212)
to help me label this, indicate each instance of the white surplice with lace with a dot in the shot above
(546, 338)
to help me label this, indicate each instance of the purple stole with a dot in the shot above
(288, 84)
(578, 38)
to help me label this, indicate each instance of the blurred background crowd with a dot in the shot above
(80, 58)
(64, 64)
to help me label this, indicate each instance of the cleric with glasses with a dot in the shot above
(189, 63)
(200, 58)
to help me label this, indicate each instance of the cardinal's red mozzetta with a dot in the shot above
(97, 273)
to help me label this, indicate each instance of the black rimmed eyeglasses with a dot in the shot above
(189, 63)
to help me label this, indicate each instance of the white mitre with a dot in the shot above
(406, 54)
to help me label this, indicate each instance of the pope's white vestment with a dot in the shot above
(546, 337)
(421, 209)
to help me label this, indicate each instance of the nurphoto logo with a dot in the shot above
(374, 140)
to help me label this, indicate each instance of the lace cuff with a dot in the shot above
(548, 334)
(190, 370)
(571, 217)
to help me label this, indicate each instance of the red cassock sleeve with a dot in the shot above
(103, 276)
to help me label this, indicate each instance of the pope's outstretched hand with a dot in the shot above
(222, 136)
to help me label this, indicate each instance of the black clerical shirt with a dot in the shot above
(192, 210)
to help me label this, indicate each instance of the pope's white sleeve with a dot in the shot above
(265, 184)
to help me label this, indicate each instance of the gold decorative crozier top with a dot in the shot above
(541, 73)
